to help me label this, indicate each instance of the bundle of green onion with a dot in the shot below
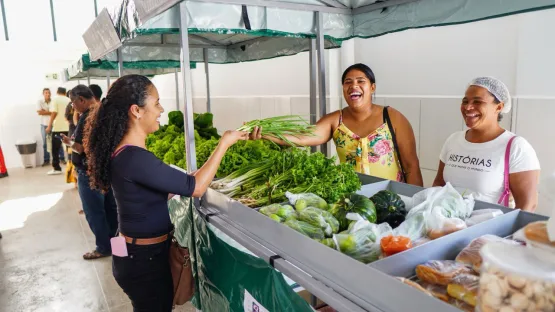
(280, 127)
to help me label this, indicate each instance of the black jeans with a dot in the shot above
(145, 276)
(56, 146)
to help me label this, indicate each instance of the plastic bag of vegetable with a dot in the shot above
(447, 197)
(306, 229)
(285, 211)
(276, 218)
(363, 241)
(270, 209)
(390, 208)
(413, 227)
(328, 242)
(353, 203)
(303, 200)
(314, 216)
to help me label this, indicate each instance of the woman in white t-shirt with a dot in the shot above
(479, 159)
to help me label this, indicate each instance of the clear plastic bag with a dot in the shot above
(413, 227)
(440, 272)
(303, 200)
(315, 217)
(464, 287)
(479, 216)
(447, 198)
(362, 242)
(438, 225)
(270, 209)
(470, 255)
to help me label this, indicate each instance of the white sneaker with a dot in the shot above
(54, 172)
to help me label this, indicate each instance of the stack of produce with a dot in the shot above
(294, 170)
(168, 143)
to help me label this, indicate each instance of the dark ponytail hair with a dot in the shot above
(108, 123)
(363, 68)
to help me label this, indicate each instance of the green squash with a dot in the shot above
(389, 207)
(353, 203)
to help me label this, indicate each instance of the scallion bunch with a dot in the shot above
(281, 126)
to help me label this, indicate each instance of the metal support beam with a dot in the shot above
(120, 62)
(107, 81)
(321, 71)
(283, 5)
(313, 86)
(187, 90)
(53, 20)
(88, 78)
(380, 5)
(333, 4)
(177, 89)
(206, 41)
(4, 20)
(151, 44)
(95, 9)
(207, 72)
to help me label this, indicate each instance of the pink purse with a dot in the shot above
(504, 200)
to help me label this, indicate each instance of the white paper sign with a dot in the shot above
(251, 305)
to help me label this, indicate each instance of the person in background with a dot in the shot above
(115, 138)
(97, 91)
(375, 140)
(100, 208)
(486, 157)
(69, 113)
(44, 112)
(57, 125)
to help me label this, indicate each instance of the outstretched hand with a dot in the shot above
(231, 137)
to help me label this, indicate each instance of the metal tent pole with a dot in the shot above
(207, 72)
(120, 62)
(108, 80)
(321, 71)
(53, 21)
(177, 89)
(313, 86)
(187, 92)
(88, 79)
(6, 34)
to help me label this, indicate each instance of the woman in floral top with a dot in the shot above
(376, 140)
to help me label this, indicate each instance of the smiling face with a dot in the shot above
(150, 113)
(479, 108)
(357, 89)
(47, 95)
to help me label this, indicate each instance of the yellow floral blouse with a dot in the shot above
(372, 155)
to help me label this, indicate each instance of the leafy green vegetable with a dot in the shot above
(305, 229)
(353, 203)
(390, 208)
(175, 118)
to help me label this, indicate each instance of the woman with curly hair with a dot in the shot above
(142, 184)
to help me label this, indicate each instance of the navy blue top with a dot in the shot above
(141, 184)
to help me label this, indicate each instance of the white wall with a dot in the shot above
(424, 73)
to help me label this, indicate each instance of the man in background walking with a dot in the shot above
(57, 125)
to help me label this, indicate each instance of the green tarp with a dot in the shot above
(224, 274)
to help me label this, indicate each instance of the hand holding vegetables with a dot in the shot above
(279, 127)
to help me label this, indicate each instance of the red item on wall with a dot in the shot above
(3, 169)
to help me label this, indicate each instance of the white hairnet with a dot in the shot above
(495, 87)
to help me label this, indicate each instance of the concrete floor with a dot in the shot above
(44, 238)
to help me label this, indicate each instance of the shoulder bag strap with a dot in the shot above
(504, 200)
(387, 120)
